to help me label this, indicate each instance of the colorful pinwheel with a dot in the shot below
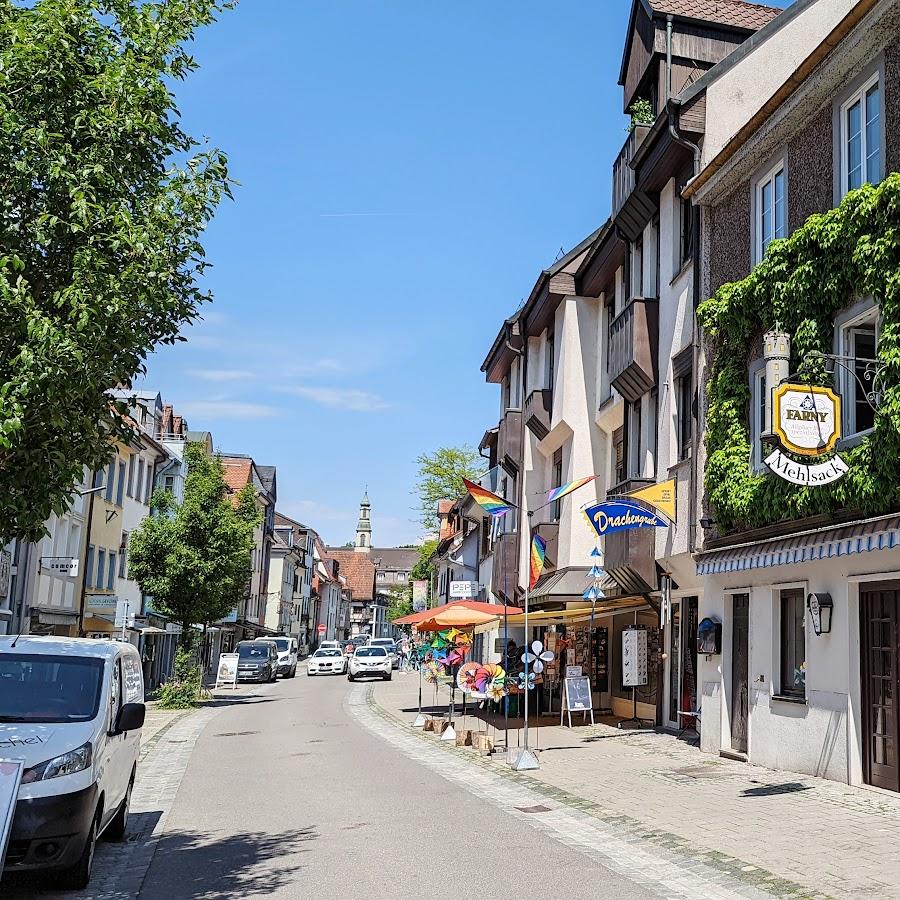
(431, 671)
(467, 676)
(525, 680)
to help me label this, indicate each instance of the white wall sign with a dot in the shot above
(226, 672)
(806, 475)
(10, 778)
(806, 418)
(573, 671)
(124, 616)
(634, 657)
(61, 565)
(463, 590)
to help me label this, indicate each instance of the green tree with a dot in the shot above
(400, 601)
(104, 198)
(194, 559)
(440, 478)
(424, 568)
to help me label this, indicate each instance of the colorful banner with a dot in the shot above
(621, 515)
(564, 489)
(492, 504)
(419, 595)
(538, 551)
(660, 496)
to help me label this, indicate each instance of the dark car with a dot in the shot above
(257, 661)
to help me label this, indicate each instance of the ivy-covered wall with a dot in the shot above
(804, 281)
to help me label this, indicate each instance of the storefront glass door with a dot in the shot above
(682, 652)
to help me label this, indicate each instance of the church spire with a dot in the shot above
(364, 526)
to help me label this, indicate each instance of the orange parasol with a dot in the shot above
(459, 613)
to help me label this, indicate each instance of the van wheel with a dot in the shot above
(116, 829)
(78, 876)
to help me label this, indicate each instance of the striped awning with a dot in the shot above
(866, 536)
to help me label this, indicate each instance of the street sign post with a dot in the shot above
(321, 629)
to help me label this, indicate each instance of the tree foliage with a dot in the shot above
(399, 601)
(424, 568)
(804, 280)
(440, 478)
(104, 198)
(194, 559)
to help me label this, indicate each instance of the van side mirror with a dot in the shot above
(131, 717)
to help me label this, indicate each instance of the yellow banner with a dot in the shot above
(660, 496)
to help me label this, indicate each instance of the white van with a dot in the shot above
(72, 710)
(287, 655)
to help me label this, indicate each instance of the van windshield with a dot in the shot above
(42, 688)
(282, 645)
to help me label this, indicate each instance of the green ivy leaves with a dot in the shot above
(805, 280)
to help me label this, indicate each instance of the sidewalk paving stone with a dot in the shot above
(784, 833)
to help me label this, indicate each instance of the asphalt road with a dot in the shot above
(286, 796)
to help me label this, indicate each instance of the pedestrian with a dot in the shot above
(404, 654)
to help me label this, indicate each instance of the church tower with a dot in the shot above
(364, 526)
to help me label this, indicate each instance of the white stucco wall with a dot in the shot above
(822, 737)
(741, 90)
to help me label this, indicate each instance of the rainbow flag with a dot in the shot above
(538, 551)
(492, 504)
(564, 489)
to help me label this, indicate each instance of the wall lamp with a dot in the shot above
(820, 607)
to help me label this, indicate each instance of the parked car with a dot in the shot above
(326, 644)
(326, 661)
(257, 661)
(73, 710)
(368, 662)
(390, 645)
(287, 656)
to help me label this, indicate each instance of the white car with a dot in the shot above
(326, 661)
(325, 645)
(287, 656)
(72, 711)
(370, 662)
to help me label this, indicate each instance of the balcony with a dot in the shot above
(631, 208)
(630, 556)
(505, 572)
(509, 441)
(539, 413)
(633, 342)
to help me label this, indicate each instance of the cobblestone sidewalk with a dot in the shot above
(780, 832)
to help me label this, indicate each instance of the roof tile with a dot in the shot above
(735, 13)
(359, 571)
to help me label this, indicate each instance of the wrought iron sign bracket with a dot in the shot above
(870, 380)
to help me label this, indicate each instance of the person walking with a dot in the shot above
(404, 654)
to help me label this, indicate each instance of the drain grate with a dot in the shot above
(533, 809)
(234, 733)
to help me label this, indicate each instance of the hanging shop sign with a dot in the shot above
(806, 419)
(621, 515)
(660, 496)
(463, 590)
(806, 475)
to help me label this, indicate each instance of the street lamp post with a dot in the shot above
(87, 543)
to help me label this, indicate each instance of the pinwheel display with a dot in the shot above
(488, 680)
(467, 676)
(431, 671)
(449, 648)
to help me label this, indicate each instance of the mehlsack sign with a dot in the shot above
(806, 419)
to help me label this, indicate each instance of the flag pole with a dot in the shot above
(526, 759)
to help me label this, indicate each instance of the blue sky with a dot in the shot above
(406, 171)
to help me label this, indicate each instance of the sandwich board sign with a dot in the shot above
(10, 778)
(226, 673)
(577, 698)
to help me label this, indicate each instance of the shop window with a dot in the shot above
(861, 136)
(857, 340)
(793, 643)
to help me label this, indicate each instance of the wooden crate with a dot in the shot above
(483, 743)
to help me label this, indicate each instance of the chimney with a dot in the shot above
(176, 426)
(165, 425)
